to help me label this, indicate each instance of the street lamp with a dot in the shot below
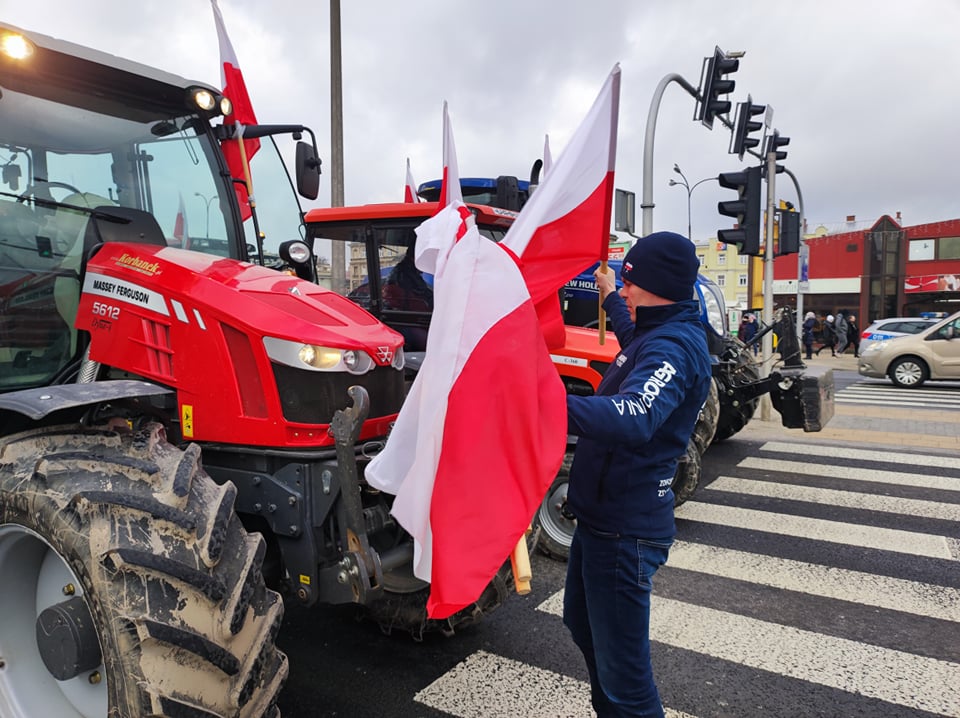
(685, 184)
(207, 205)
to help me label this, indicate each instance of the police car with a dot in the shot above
(897, 327)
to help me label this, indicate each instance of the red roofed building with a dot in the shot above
(886, 270)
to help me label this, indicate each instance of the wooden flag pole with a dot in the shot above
(602, 314)
(520, 563)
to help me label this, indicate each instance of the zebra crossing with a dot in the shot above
(806, 580)
(929, 396)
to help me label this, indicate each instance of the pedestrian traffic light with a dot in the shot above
(713, 84)
(774, 143)
(789, 232)
(745, 209)
(741, 140)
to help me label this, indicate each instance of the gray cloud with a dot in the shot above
(864, 89)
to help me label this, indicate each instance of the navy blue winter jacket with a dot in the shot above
(637, 425)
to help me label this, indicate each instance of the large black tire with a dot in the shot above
(556, 529)
(173, 601)
(403, 607)
(690, 467)
(736, 412)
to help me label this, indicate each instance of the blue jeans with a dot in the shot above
(606, 606)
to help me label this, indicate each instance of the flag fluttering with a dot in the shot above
(565, 225)
(180, 231)
(410, 188)
(235, 89)
(476, 446)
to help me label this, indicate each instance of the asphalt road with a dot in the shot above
(811, 577)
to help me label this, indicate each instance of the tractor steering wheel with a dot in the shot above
(32, 189)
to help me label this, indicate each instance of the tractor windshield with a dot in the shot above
(67, 150)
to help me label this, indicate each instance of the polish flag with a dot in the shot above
(410, 189)
(180, 231)
(482, 432)
(235, 89)
(565, 225)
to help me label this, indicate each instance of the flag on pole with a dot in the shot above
(180, 231)
(410, 189)
(235, 89)
(565, 225)
(476, 446)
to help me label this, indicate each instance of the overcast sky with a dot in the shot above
(865, 89)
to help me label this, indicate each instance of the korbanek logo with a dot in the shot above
(651, 390)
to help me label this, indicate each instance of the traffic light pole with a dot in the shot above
(646, 199)
(768, 281)
(799, 317)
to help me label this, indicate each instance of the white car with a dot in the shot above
(912, 359)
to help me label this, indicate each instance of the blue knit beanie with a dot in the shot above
(663, 263)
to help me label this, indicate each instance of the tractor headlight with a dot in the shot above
(317, 358)
(15, 46)
(204, 99)
(713, 307)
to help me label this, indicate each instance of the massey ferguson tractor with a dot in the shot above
(183, 430)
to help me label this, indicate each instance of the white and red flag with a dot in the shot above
(235, 89)
(482, 432)
(410, 188)
(180, 231)
(565, 225)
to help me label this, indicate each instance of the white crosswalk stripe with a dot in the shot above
(887, 394)
(852, 658)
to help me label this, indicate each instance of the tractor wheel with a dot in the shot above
(735, 412)
(403, 606)
(689, 468)
(129, 588)
(556, 529)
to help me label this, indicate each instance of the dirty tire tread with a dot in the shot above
(169, 647)
(744, 370)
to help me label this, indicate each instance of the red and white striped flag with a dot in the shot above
(492, 385)
(410, 188)
(565, 225)
(180, 231)
(235, 89)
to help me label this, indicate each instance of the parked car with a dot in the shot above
(894, 327)
(912, 359)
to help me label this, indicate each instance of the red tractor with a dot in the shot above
(183, 429)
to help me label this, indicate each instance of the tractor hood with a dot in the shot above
(193, 287)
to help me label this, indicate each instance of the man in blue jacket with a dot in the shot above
(631, 434)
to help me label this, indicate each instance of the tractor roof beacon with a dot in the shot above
(163, 392)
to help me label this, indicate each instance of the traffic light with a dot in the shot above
(745, 209)
(742, 141)
(789, 232)
(774, 143)
(713, 84)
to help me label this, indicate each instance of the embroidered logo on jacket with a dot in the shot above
(651, 390)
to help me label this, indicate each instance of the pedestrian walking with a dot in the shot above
(631, 434)
(841, 328)
(809, 322)
(749, 331)
(828, 336)
(853, 334)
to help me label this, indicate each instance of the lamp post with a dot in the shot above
(683, 183)
(207, 206)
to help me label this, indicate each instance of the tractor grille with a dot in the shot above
(310, 397)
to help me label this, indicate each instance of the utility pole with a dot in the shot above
(768, 281)
(338, 251)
